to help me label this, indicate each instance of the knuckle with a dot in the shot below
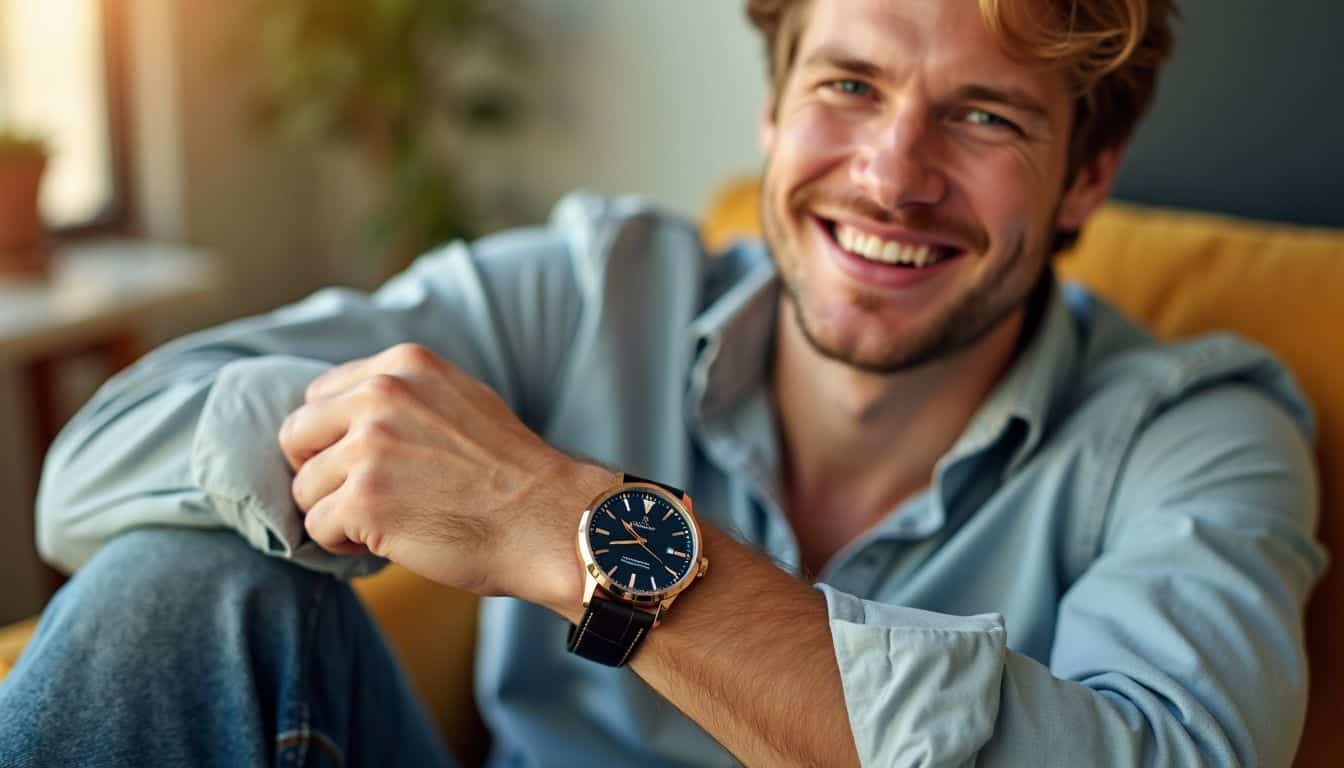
(385, 387)
(320, 382)
(365, 481)
(414, 356)
(373, 439)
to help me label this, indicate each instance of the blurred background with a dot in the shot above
(270, 134)
(295, 144)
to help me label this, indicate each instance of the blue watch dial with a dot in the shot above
(641, 541)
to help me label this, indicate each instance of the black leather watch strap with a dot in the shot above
(672, 489)
(609, 632)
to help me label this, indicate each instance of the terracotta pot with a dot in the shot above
(24, 248)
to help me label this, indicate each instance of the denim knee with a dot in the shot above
(181, 643)
(187, 647)
(195, 585)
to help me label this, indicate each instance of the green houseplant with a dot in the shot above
(24, 249)
(408, 86)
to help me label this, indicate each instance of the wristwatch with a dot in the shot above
(640, 548)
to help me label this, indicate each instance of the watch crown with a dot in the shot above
(704, 567)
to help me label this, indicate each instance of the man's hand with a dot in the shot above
(406, 456)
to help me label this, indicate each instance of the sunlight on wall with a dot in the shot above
(51, 82)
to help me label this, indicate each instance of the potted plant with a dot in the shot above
(409, 89)
(24, 249)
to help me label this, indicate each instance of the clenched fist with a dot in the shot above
(406, 456)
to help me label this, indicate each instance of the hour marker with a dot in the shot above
(613, 570)
(669, 570)
(601, 551)
(651, 581)
(678, 533)
(608, 511)
(605, 532)
(648, 506)
(669, 514)
(632, 581)
(626, 499)
(678, 554)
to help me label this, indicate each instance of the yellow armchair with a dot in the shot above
(1180, 273)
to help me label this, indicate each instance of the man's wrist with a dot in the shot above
(560, 588)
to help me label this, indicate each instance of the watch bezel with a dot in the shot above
(608, 584)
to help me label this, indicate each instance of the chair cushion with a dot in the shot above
(433, 630)
(12, 640)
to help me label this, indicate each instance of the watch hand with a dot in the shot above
(642, 542)
(625, 541)
(655, 557)
(631, 529)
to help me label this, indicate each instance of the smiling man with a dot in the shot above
(956, 512)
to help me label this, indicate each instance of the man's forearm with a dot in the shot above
(747, 655)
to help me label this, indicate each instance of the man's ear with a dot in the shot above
(765, 127)
(1089, 188)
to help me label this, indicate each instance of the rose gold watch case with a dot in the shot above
(658, 601)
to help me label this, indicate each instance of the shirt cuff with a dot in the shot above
(922, 688)
(236, 459)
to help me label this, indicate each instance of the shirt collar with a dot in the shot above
(734, 336)
(1034, 386)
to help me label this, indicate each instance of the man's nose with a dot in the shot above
(895, 163)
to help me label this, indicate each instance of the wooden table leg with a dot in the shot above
(46, 421)
(116, 352)
(120, 351)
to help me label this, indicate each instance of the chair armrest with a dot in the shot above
(13, 638)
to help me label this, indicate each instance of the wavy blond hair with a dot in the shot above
(1112, 51)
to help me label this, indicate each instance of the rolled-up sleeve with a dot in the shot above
(922, 688)
(1181, 645)
(236, 462)
(188, 436)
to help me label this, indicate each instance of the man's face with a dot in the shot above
(915, 180)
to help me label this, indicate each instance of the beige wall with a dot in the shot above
(659, 99)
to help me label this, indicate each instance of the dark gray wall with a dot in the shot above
(1249, 117)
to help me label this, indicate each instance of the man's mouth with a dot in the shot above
(899, 253)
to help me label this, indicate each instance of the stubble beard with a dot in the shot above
(957, 328)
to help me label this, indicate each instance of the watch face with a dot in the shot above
(641, 541)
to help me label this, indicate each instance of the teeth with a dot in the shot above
(889, 252)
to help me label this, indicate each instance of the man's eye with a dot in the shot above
(851, 87)
(987, 118)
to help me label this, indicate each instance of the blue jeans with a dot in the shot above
(187, 647)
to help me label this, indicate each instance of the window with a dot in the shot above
(54, 82)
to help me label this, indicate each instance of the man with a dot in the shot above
(955, 513)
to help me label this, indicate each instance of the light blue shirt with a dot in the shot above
(1109, 566)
